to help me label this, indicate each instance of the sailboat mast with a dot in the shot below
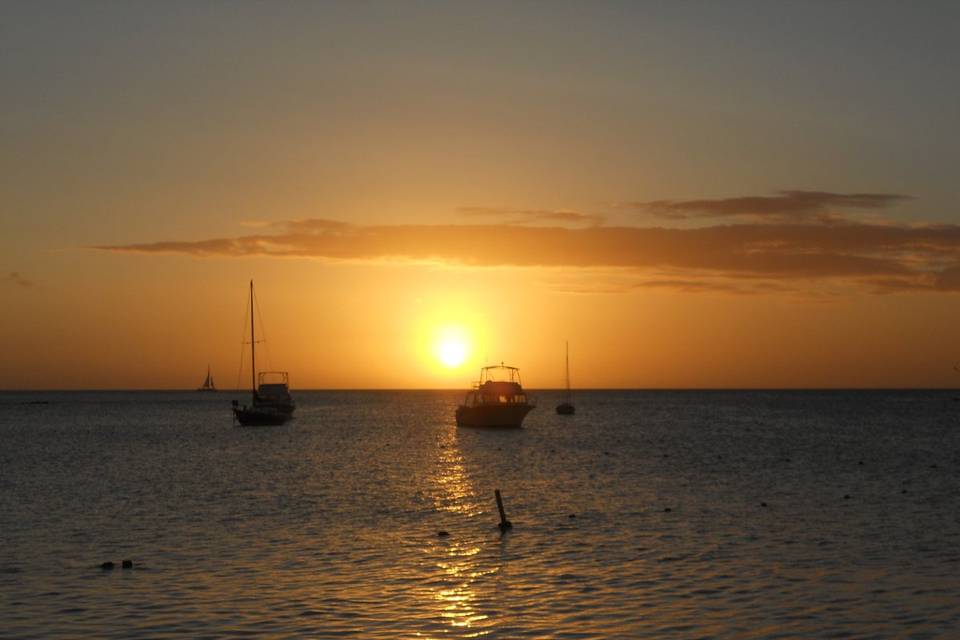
(253, 349)
(568, 367)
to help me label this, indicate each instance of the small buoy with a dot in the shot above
(860, 463)
(107, 566)
(442, 534)
(667, 510)
(846, 496)
(572, 515)
(933, 466)
(763, 504)
(903, 491)
(127, 564)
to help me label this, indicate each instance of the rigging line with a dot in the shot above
(246, 309)
(263, 333)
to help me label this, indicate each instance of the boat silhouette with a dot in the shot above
(566, 407)
(207, 383)
(271, 403)
(496, 400)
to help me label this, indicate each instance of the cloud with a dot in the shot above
(787, 206)
(876, 257)
(527, 216)
(612, 283)
(14, 278)
(948, 279)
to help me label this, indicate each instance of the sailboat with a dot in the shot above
(271, 403)
(208, 383)
(566, 407)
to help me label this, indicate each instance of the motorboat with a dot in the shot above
(496, 400)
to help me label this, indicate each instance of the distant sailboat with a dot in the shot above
(271, 403)
(566, 407)
(208, 383)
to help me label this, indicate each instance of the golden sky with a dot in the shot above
(751, 196)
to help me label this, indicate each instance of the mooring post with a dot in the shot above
(504, 523)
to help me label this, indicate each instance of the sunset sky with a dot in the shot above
(694, 194)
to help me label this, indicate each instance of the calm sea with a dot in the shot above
(648, 514)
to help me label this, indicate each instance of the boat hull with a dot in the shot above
(566, 409)
(502, 416)
(261, 417)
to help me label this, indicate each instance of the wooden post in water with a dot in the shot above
(504, 523)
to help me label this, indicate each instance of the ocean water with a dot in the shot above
(327, 527)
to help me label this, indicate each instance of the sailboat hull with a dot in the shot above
(566, 409)
(261, 417)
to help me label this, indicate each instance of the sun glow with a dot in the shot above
(451, 346)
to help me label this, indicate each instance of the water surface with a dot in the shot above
(328, 526)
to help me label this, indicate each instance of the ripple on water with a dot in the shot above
(327, 527)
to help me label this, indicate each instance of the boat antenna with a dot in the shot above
(568, 367)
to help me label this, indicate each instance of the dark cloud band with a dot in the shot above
(785, 206)
(883, 257)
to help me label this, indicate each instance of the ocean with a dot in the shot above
(648, 514)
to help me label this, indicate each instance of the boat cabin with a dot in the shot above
(273, 387)
(498, 385)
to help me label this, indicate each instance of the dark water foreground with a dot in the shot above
(328, 526)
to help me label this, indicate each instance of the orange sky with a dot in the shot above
(710, 198)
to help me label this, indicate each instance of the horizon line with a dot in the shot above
(458, 389)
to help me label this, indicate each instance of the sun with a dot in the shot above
(451, 346)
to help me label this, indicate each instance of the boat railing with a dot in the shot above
(274, 377)
(499, 373)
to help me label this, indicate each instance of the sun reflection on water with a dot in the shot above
(459, 559)
(452, 486)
